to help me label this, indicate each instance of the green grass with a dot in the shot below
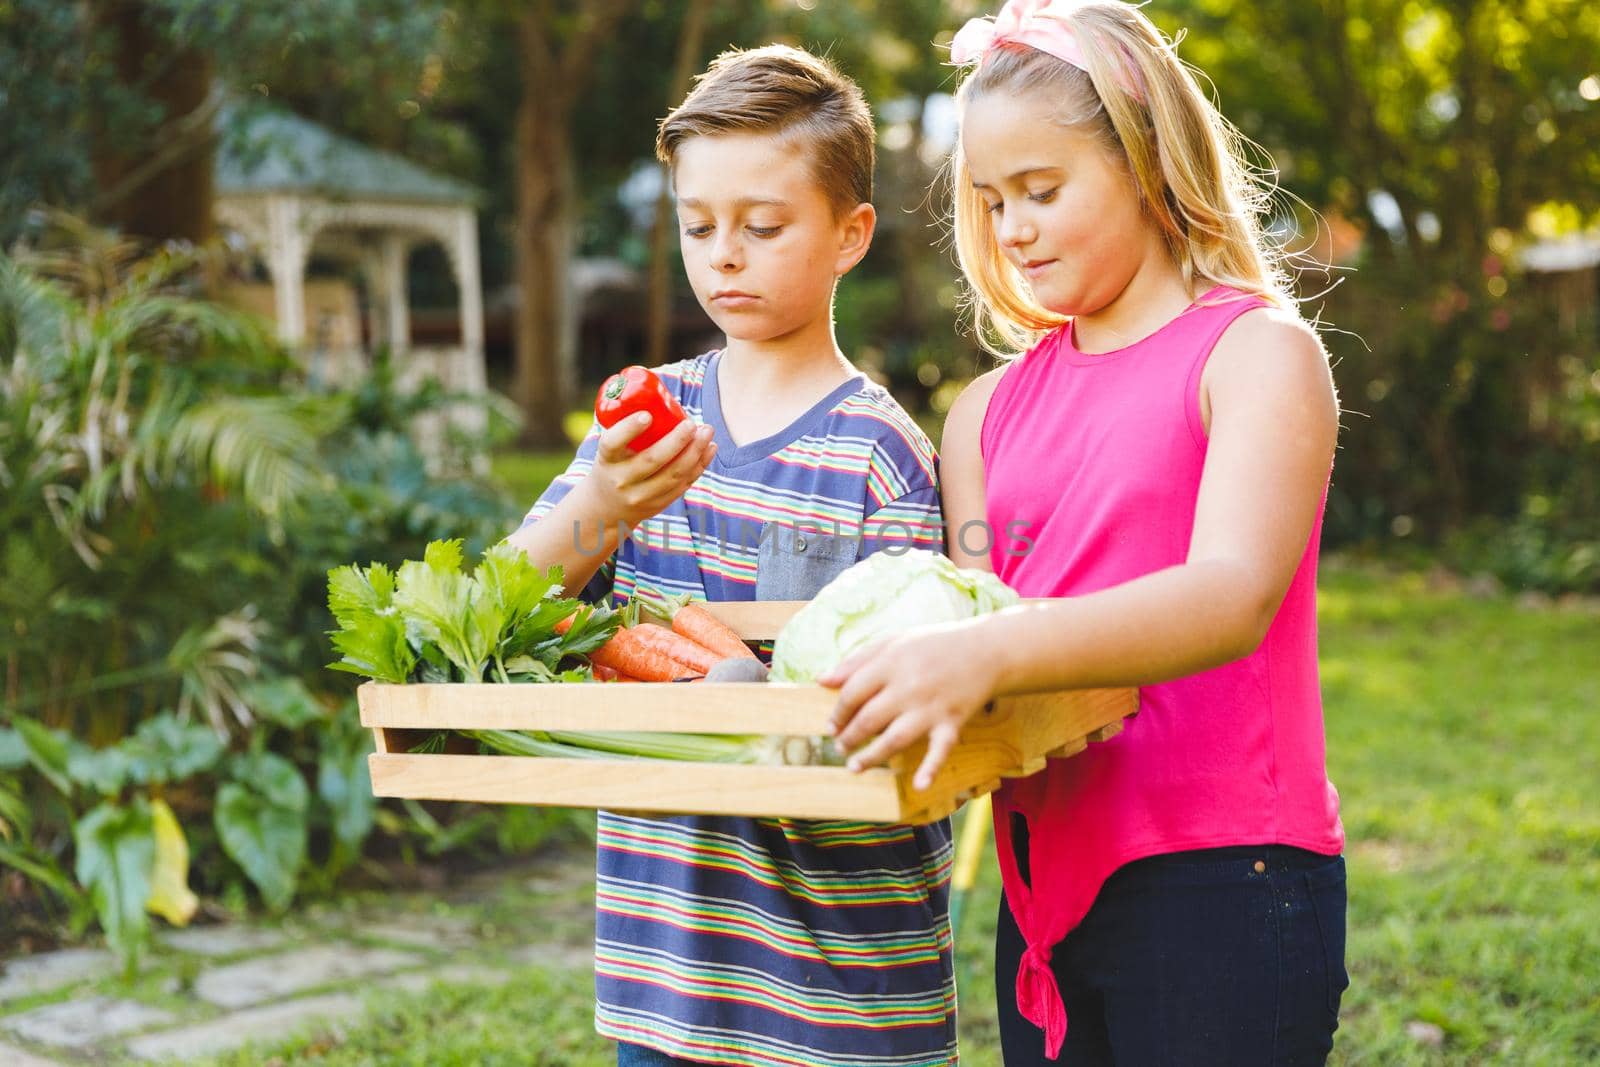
(540, 1018)
(525, 475)
(1464, 738)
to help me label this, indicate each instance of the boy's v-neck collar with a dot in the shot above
(730, 454)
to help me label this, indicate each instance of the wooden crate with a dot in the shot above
(1011, 738)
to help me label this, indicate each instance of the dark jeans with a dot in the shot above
(640, 1056)
(1232, 957)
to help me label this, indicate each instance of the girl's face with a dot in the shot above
(760, 241)
(1064, 209)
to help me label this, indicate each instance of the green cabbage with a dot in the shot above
(883, 594)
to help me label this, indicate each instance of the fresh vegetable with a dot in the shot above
(883, 594)
(632, 390)
(430, 621)
(738, 669)
(680, 648)
(692, 620)
(638, 652)
(767, 750)
(603, 673)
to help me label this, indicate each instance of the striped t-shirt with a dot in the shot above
(776, 941)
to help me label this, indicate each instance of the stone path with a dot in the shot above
(209, 989)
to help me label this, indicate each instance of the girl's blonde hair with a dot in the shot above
(1185, 159)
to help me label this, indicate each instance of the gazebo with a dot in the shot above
(290, 186)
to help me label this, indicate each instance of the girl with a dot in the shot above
(1164, 446)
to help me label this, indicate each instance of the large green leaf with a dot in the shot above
(345, 785)
(261, 820)
(49, 751)
(167, 749)
(13, 750)
(116, 851)
(285, 701)
(105, 770)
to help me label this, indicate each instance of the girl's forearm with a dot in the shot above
(1164, 625)
(572, 535)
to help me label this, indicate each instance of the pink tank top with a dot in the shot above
(1098, 457)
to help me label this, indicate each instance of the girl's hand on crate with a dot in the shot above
(629, 487)
(922, 683)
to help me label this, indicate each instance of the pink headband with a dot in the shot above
(1037, 24)
(1025, 22)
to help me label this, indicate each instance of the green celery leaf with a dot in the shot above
(353, 595)
(511, 581)
(439, 606)
(375, 648)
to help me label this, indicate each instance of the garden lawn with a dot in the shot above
(525, 475)
(1464, 737)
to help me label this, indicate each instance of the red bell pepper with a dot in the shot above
(635, 389)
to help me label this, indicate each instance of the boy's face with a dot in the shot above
(761, 243)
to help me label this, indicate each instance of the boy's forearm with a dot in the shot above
(573, 536)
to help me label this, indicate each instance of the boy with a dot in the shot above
(762, 941)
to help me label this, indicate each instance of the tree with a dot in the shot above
(557, 51)
(112, 106)
(155, 181)
(1452, 132)
(691, 42)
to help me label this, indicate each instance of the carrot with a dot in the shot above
(695, 621)
(679, 647)
(603, 673)
(627, 653)
(704, 628)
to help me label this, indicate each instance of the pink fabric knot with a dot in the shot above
(1035, 23)
(1039, 998)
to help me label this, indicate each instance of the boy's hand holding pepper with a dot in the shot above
(629, 487)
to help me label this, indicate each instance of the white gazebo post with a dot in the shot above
(470, 286)
(288, 249)
(395, 247)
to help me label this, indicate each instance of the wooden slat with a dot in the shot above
(1009, 739)
(1071, 748)
(1106, 732)
(731, 708)
(660, 786)
(755, 620)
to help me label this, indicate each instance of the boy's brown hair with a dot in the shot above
(790, 93)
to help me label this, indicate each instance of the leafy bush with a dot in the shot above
(172, 496)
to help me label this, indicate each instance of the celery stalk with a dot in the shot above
(758, 749)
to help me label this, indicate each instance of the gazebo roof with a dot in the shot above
(274, 151)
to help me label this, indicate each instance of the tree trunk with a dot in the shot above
(546, 324)
(158, 187)
(543, 253)
(690, 42)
